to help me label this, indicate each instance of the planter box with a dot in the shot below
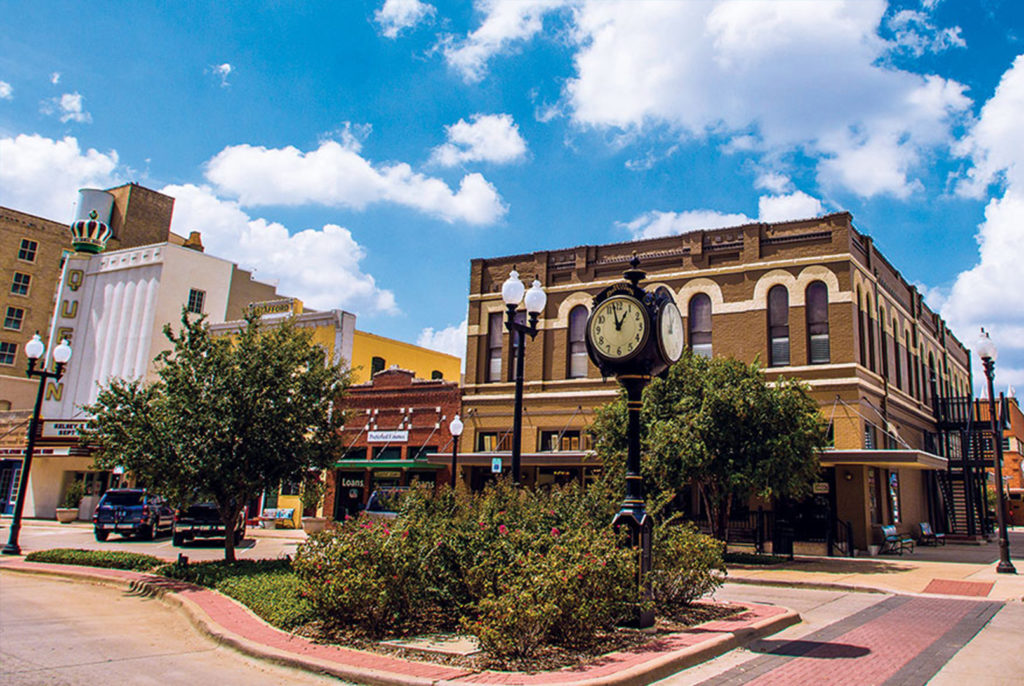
(66, 515)
(312, 525)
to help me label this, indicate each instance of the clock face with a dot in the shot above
(670, 332)
(618, 328)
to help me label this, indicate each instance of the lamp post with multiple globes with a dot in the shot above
(986, 350)
(513, 292)
(34, 349)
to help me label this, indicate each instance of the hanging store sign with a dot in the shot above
(496, 465)
(54, 429)
(821, 487)
(387, 436)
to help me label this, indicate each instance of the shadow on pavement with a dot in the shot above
(814, 649)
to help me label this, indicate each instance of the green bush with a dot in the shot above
(269, 588)
(686, 565)
(96, 558)
(516, 567)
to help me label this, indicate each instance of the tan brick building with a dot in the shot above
(810, 299)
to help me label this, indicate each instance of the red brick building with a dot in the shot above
(395, 423)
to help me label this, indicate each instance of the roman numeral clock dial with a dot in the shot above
(619, 328)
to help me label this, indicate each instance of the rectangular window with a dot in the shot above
(492, 441)
(27, 251)
(20, 283)
(8, 351)
(196, 298)
(894, 496)
(570, 440)
(13, 318)
(494, 341)
(869, 437)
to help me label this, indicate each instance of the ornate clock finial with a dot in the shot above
(634, 275)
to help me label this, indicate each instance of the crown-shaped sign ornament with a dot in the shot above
(90, 235)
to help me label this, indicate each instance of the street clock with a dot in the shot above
(634, 334)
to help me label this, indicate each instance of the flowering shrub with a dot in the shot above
(517, 568)
(686, 565)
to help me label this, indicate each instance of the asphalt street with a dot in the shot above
(55, 632)
(45, 534)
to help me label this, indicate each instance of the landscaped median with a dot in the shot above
(230, 623)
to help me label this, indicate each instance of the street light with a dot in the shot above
(34, 349)
(986, 350)
(455, 428)
(535, 299)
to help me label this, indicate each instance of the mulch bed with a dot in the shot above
(550, 657)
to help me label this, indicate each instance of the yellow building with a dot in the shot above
(372, 353)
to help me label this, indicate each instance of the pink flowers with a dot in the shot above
(555, 531)
(502, 529)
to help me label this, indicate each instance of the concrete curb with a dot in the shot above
(176, 594)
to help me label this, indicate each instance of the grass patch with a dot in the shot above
(96, 558)
(754, 559)
(267, 587)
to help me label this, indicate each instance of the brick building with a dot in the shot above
(811, 299)
(396, 433)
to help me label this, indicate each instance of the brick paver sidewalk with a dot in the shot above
(227, 621)
(901, 640)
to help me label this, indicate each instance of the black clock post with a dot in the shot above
(634, 335)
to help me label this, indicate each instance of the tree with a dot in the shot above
(717, 423)
(225, 419)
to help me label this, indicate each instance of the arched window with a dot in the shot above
(700, 324)
(897, 363)
(778, 326)
(577, 364)
(910, 362)
(376, 365)
(861, 329)
(883, 347)
(817, 323)
(871, 332)
(435, 375)
(494, 341)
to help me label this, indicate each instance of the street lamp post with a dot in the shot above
(455, 428)
(987, 352)
(512, 292)
(34, 349)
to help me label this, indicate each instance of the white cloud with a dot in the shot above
(771, 208)
(69, 106)
(771, 77)
(55, 78)
(990, 293)
(222, 71)
(914, 32)
(486, 138)
(655, 224)
(780, 208)
(396, 15)
(5, 90)
(335, 174)
(505, 23)
(42, 176)
(319, 266)
(773, 181)
(451, 340)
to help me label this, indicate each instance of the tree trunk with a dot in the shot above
(229, 515)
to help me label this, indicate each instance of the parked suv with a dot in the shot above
(202, 520)
(131, 512)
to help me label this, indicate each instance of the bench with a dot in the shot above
(929, 537)
(893, 542)
(280, 517)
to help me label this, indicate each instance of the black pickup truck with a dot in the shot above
(202, 520)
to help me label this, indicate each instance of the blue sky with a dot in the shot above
(361, 153)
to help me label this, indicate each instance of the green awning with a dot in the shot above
(385, 464)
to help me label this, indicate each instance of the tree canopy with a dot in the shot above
(226, 418)
(718, 424)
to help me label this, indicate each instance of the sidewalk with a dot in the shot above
(227, 622)
(903, 575)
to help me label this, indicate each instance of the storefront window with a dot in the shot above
(894, 495)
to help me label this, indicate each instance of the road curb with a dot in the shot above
(177, 594)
